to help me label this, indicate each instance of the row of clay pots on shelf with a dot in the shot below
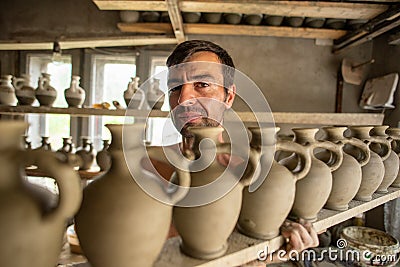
(13, 90)
(237, 18)
(81, 158)
(127, 205)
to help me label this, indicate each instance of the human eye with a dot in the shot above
(201, 85)
(175, 89)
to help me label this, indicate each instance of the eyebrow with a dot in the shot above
(195, 78)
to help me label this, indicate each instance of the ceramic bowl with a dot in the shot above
(335, 23)
(150, 16)
(233, 18)
(294, 21)
(273, 20)
(253, 19)
(314, 22)
(374, 247)
(214, 18)
(129, 16)
(191, 17)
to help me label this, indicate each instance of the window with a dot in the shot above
(54, 126)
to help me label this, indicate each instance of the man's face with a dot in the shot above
(196, 93)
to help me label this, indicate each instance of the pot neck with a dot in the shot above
(305, 135)
(264, 136)
(379, 130)
(334, 133)
(360, 132)
(201, 133)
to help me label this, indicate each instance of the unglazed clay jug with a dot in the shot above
(75, 95)
(7, 91)
(45, 93)
(391, 163)
(87, 154)
(155, 97)
(374, 171)
(45, 145)
(134, 96)
(103, 158)
(119, 224)
(314, 189)
(23, 90)
(205, 227)
(394, 133)
(264, 210)
(32, 234)
(68, 152)
(347, 178)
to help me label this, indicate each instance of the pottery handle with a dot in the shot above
(142, 99)
(18, 83)
(385, 146)
(68, 181)
(335, 149)
(254, 159)
(300, 150)
(363, 159)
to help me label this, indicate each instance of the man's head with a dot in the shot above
(200, 83)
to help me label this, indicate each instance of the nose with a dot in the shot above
(187, 95)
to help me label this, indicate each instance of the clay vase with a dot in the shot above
(103, 158)
(191, 17)
(211, 17)
(45, 93)
(374, 171)
(155, 97)
(23, 91)
(232, 18)
(75, 95)
(7, 91)
(347, 178)
(150, 16)
(87, 154)
(273, 20)
(134, 96)
(391, 163)
(394, 133)
(129, 16)
(68, 153)
(27, 143)
(117, 215)
(31, 232)
(314, 189)
(205, 228)
(45, 145)
(253, 19)
(264, 210)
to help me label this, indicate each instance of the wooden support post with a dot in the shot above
(176, 19)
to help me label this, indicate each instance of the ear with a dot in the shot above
(230, 96)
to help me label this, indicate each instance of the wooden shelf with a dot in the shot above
(227, 29)
(248, 117)
(243, 249)
(85, 175)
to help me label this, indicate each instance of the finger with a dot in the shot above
(296, 242)
(304, 234)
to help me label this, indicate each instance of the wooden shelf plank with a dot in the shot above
(287, 8)
(153, 5)
(243, 249)
(146, 27)
(275, 31)
(279, 117)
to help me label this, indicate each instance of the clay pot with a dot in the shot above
(273, 20)
(68, 152)
(232, 18)
(75, 95)
(103, 158)
(27, 143)
(87, 154)
(165, 16)
(116, 214)
(155, 97)
(335, 23)
(32, 225)
(134, 96)
(45, 93)
(253, 19)
(355, 24)
(314, 22)
(24, 92)
(374, 171)
(214, 18)
(314, 189)
(258, 217)
(150, 16)
(205, 228)
(191, 17)
(347, 178)
(391, 163)
(129, 16)
(45, 145)
(394, 133)
(7, 91)
(294, 21)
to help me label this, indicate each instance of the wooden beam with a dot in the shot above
(227, 29)
(146, 27)
(88, 42)
(151, 5)
(176, 19)
(287, 8)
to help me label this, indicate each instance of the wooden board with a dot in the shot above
(243, 249)
(153, 5)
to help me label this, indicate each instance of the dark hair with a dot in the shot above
(185, 50)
